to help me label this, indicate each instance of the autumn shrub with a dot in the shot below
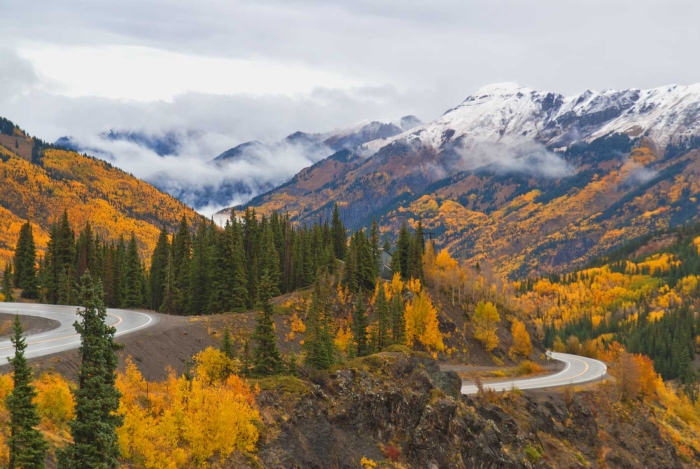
(534, 453)
(392, 453)
(528, 367)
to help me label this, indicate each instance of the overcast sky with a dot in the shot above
(262, 69)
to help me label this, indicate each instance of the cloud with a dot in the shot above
(520, 156)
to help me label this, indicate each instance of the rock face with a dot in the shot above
(399, 410)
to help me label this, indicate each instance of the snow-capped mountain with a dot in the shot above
(321, 145)
(509, 113)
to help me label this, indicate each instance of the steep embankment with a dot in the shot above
(39, 182)
(398, 410)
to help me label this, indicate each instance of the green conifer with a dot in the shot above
(96, 398)
(266, 356)
(26, 443)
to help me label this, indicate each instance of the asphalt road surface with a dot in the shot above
(64, 336)
(575, 370)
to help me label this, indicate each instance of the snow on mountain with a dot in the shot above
(508, 113)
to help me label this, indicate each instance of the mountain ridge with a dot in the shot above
(526, 203)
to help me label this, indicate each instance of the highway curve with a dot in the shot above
(576, 370)
(64, 337)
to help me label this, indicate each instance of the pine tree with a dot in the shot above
(338, 233)
(198, 292)
(133, 276)
(60, 255)
(398, 320)
(359, 319)
(318, 339)
(400, 258)
(226, 346)
(375, 246)
(95, 443)
(270, 262)
(25, 263)
(7, 283)
(158, 271)
(26, 443)
(266, 356)
(381, 311)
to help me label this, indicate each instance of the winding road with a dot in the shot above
(576, 370)
(64, 337)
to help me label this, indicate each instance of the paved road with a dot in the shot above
(64, 336)
(576, 370)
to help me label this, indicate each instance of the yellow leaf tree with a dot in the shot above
(486, 319)
(521, 340)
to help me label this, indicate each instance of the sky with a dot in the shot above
(223, 72)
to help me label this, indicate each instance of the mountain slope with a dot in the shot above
(500, 179)
(236, 174)
(38, 182)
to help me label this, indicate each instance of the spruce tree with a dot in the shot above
(375, 246)
(359, 319)
(94, 443)
(338, 234)
(400, 258)
(226, 346)
(381, 311)
(26, 443)
(398, 320)
(133, 276)
(266, 356)
(318, 338)
(158, 271)
(7, 283)
(25, 263)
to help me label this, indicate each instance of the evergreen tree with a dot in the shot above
(94, 443)
(158, 271)
(60, 255)
(383, 319)
(266, 356)
(270, 262)
(7, 283)
(339, 234)
(226, 346)
(375, 245)
(398, 320)
(182, 252)
(246, 360)
(318, 339)
(359, 319)
(25, 263)
(26, 443)
(198, 292)
(400, 258)
(133, 276)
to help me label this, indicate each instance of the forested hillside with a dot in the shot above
(520, 219)
(39, 182)
(644, 296)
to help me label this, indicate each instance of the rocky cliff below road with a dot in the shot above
(397, 409)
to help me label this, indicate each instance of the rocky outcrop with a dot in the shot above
(398, 409)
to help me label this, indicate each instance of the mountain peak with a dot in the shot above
(508, 87)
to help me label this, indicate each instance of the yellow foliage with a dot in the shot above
(212, 366)
(343, 339)
(297, 326)
(367, 463)
(486, 319)
(114, 202)
(521, 339)
(54, 400)
(182, 424)
(422, 323)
